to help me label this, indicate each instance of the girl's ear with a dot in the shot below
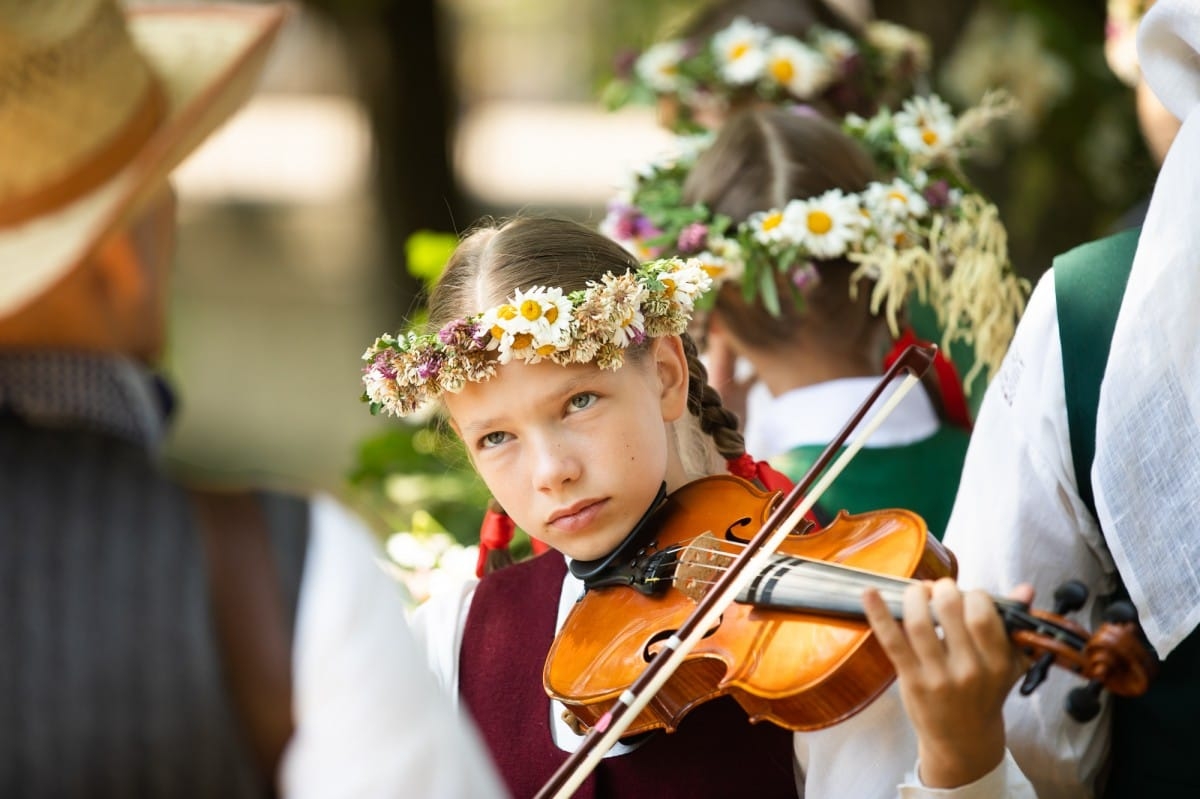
(671, 365)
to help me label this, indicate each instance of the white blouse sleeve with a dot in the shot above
(873, 754)
(867, 755)
(438, 624)
(1005, 781)
(1018, 518)
(370, 719)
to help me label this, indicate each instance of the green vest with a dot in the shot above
(1154, 736)
(922, 477)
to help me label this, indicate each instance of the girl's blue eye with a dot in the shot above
(582, 401)
(493, 440)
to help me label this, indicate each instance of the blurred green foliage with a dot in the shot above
(407, 470)
(417, 478)
(427, 252)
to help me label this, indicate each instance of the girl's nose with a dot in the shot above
(557, 465)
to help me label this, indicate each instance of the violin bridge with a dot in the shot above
(700, 565)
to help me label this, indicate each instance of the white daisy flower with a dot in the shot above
(500, 321)
(685, 281)
(797, 68)
(767, 227)
(924, 125)
(545, 314)
(515, 334)
(659, 66)
(895, 200)
(631, 330)
(831, 224)
(740, 51)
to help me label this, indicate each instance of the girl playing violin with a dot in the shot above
(564, 366)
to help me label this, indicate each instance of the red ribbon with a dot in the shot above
(954, 401)
(496, 532)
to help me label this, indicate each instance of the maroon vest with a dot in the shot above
(715, 753)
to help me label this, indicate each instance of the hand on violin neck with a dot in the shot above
(953, 685)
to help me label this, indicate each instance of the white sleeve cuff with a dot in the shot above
(1005, 781)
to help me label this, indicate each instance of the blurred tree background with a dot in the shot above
(440, 111)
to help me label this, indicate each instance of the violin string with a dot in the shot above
(818, 568)
(816, 575)
(809, 583)
(830, 587)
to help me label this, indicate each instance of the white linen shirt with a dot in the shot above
(863, 757)
(370, 720)
(1018, 518)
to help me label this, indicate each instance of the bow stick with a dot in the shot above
(786, 517)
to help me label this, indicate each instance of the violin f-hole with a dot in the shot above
(653, 646)
(730, 535)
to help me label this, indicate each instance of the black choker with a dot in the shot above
(628, 564)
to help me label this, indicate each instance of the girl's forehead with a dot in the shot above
(519, 389)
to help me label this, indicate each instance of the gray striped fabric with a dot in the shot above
(110, 683)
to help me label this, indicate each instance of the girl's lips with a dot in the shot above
(577, 517)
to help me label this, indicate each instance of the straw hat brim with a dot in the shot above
(207, 60)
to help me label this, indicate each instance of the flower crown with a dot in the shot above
(598, 323)
(748, 58)
(922, 231)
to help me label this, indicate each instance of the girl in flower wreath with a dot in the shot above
(563, 365)
(825, 56)
(735, 54)
(817, 258)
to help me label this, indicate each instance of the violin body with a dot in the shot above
(800, 671)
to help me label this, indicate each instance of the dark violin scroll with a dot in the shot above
(1115, 658)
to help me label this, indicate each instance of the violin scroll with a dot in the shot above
(1114, 658)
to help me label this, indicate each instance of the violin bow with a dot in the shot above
(786, 516)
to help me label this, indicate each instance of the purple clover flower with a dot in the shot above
(383, 365)
(429, 365)
(692, 238)
(452, 332)
(480, 336)
(643, 228)
(805, 276)
(625, 225)
(463, 334)
(937, 194)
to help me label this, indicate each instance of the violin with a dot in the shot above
(793, 648)
(674, 618)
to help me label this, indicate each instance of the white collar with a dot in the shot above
(814, 415)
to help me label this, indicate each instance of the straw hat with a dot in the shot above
(97, 106)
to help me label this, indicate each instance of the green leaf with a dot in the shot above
(770, 293)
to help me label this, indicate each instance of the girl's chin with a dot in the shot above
(585, 551)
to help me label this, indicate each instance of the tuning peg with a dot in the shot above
(1120, 612)
(1083, 703)
(1069, 597)
(1037, 673)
